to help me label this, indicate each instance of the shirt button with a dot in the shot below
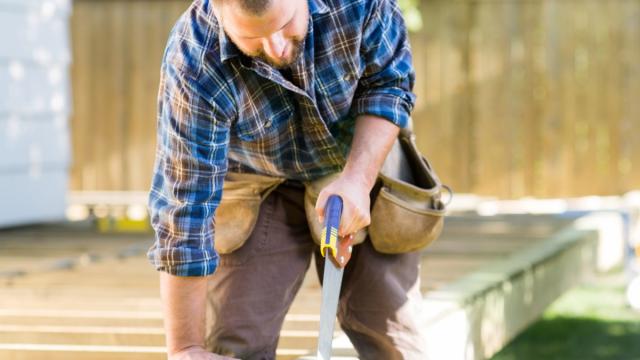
(348, 77)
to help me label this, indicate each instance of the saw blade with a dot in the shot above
(331, 283)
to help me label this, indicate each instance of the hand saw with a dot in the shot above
(338, 252)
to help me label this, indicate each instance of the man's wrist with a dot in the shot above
(184, 349)
(359, 177)
(184, 302)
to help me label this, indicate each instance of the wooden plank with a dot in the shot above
(459, 92)
(122, 336)
(81, 321)
(148, 36)
(103, 336)
(629, 162)
(498, 227)
(490, 110)
(554, 157)
(81, 79)
(598, 44)
(465, 263)
(97, 17)
(87, 303)
(42, 247)
(434, 132)
(478, 248)
(58, 352)
(117, 94)
(526, 172)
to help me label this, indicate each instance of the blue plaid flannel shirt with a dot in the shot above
(221, 111)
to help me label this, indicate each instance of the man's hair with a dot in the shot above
(254, 7)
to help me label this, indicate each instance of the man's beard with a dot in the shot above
(297, 46)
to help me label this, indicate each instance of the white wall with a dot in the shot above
(35, 107)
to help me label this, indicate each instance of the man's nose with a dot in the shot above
(274, 45)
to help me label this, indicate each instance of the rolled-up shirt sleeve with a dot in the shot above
(189, 169)
(385, 88)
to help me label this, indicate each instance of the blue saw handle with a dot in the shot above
(332, 214)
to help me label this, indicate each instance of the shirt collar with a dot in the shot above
(318, 7)
(228, 49)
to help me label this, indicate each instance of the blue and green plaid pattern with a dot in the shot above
(221, 111)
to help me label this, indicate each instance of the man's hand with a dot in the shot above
(354, 192)
(197, 353)
(371, 143)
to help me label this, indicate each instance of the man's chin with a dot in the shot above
(284, 63)
(280, 63)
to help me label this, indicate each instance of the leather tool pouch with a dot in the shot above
(238, 211)
(408, 213)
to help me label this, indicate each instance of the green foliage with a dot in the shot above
(412, 15)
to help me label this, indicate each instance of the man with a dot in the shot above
(295, 89)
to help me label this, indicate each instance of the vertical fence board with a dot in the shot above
(629, 163)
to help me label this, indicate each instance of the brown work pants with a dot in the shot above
(253, 287)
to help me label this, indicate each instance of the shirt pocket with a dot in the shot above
(262, 118)
(261, 125)
(335, 87)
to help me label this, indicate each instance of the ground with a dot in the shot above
(591, 321)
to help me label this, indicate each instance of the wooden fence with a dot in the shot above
(515, 98)
(117, 50)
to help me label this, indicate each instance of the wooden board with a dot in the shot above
(113, 302)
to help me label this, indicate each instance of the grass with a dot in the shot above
(592, 321)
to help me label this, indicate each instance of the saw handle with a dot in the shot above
(340, 248)
(333, 212)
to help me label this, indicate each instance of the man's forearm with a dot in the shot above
(372, 141)
(183, 305)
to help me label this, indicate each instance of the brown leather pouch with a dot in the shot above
(237, 214)
(408, 213)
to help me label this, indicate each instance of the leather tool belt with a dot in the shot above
(407, 211)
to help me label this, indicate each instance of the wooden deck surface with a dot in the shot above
(68, 292)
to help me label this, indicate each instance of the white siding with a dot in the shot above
(34, 110)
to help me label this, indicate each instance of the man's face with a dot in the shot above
(274, 36)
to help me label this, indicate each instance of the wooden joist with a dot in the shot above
(110, 308)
